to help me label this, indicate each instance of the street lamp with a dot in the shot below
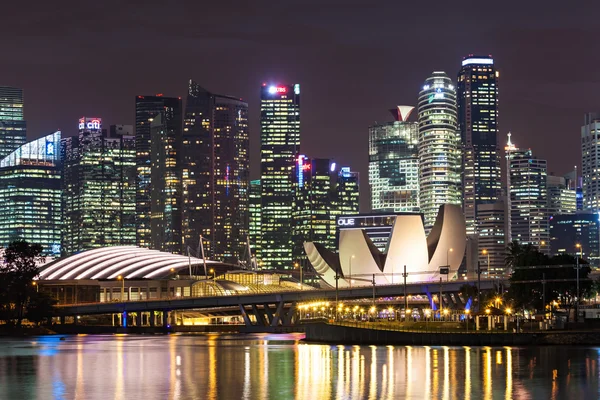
(497, 302)
(296, 265)
(350, 271)
(445, 313)
(467, 311)
(578, 247)
(37, 288)
(122, 279)
(487, 253)
(212, 271)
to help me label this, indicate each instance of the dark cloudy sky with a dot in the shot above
(353, 59)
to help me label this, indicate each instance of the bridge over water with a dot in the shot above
(269, 309)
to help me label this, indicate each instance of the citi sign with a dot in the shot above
(346, 222)
(90, 123)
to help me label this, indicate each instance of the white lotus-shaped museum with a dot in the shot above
(359, 260)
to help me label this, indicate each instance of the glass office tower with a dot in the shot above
(439, 147)
(216, 173)
(254, 214)
(166, 187)
(394, 164)
(30, 195)
(590, 161)
(146, 109)
(99, 172)
(528, 207)
(280, 143)
(12, 120)
(477, 102)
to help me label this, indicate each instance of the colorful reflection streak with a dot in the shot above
(283, 367)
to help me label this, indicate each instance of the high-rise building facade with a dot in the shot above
(572, 229)
(394, 164)
(590, 161)
(254, 211)
(477, 103)
(166, 194)
(13, 129)
(492, 228)
(439, 147)
(30, 194)
(279, 147)
(527, 185)
(347, 191)
(561, 198)
(99, 171)
(216, 173)
(322, 193)
(314, 200)
(146, 109)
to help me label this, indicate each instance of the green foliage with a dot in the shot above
(40, 307)
(467, 291)
(16, 281)
(530, 269)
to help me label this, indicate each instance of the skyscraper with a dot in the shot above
(527, 185)
(492, 228)
(394, 163)
(590, 161)
(166, 181)
(439, 147)
(146, 109)
(280, 142)
(254, 211)
(477, 103)
(561, 198)
(216, 173)
(30, 195)
(98, 187)
(313, 201)
(581, 227)
(12, 120)
(322, 193)
(347, 192)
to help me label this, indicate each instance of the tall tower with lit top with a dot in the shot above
(279, 148)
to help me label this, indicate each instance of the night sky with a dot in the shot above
(353, 59)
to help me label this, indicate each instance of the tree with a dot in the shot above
(16, 276)
(537, 277)
(40, 307)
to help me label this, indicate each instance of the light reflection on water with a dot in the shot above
(282, 367)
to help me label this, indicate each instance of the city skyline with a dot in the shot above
(359, 90)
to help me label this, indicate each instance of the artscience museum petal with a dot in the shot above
(426, 258)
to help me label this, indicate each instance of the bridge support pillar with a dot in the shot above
(275, 319)
(152, 319)
(268, 314)
(260, 316)
(245, 315)
(489, 318)
(477, 322)
(138, 318)
(288, 319)
(62, 319)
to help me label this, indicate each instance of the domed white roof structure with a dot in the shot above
(111, 262)
(360, 260)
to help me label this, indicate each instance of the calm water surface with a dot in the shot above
(283, 367)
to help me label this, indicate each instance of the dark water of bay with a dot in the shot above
(283, 367)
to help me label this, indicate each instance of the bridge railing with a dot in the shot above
(438, 327)
(232, 293)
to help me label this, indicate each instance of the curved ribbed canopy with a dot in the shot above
(111, 262)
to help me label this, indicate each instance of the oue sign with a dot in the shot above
(90, 123)
(346, 222)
